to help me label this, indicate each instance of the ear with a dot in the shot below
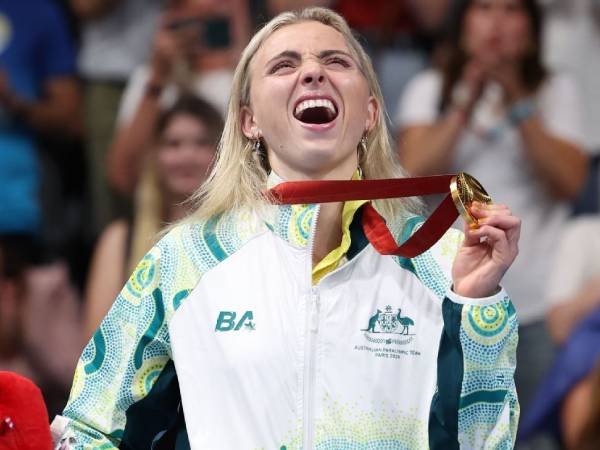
(249, 126)
(372, 113)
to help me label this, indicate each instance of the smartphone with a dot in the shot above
(214, 32)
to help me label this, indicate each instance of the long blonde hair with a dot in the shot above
(237, 179)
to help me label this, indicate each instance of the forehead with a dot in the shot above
(305, 37)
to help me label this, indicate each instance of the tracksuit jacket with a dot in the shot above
(220, 340)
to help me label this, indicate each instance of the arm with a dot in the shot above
(429, 149)
(58, 110)
(92, 9)
(132, 139)
(106, 276)
(125, 155)
(125, 357)
(561, 165)
(476, 404)
(427, 142)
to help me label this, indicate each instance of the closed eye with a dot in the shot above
(338, 61)
(285, 64)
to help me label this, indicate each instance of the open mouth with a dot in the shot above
(316, 111)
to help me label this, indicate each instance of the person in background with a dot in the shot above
(567, 403)
(194, 50)
(116, 38)
(495, 112)
(38, 95)
(39, 322)
(185, 142)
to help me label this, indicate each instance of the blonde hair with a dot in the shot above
(237, 179)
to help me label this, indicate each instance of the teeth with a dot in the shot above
(322, 103)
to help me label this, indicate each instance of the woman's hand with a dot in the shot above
(487, 251)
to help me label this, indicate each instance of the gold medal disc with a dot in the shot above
(465, 190)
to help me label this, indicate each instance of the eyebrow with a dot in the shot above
(292, 54)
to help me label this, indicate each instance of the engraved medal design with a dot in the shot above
(465, 190)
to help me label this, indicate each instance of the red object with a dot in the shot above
(376, 231)
(24, 421)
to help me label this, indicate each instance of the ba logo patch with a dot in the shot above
(227, 321)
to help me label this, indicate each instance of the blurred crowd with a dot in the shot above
(111, 112)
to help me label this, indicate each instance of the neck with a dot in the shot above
(328, 234)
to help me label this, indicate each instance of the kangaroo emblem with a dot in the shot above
(372, 322)
(404, 321)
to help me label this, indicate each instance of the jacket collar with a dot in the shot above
(292, 223)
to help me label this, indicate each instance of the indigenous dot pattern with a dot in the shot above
(122, 362)
(488, 337)
(348, 426)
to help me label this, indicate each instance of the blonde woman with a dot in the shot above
(185, 142)
(280, 327)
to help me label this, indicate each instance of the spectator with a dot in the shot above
(495, 112)
(194, 50)
(186, 137)
(567, 403)
(115, 39)
(38, 94)
(38, 322)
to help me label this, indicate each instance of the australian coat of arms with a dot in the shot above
(389, 322)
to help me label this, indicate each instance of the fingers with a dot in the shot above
(495, 220)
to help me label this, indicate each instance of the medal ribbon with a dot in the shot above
(374, 226)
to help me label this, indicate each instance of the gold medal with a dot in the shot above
(465, 190)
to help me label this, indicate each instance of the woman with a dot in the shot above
(262, 321)
(495, 112)
(186, 137)
(194, 50)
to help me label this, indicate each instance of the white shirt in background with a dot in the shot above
(504, 170)
(577, 260)
(114, 45)
(571, 41)
(213, 86)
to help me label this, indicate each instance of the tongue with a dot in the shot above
(317, 115)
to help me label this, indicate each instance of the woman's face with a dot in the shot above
(497, 31)
(309, 102)
(185, 153)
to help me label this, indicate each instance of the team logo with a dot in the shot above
(226, 321)
(389, 322)
(5, 32)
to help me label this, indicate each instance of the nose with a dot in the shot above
(312, 74)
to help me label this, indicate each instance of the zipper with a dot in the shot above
(310, 373)
(310, 349)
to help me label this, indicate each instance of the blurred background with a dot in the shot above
(110, 114)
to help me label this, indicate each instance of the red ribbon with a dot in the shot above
(374, 226)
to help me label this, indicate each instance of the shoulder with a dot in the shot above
(428, 79)
(200, 245)
(418, 103)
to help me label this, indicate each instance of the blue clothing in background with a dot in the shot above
(575, 360)
(35, 47)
